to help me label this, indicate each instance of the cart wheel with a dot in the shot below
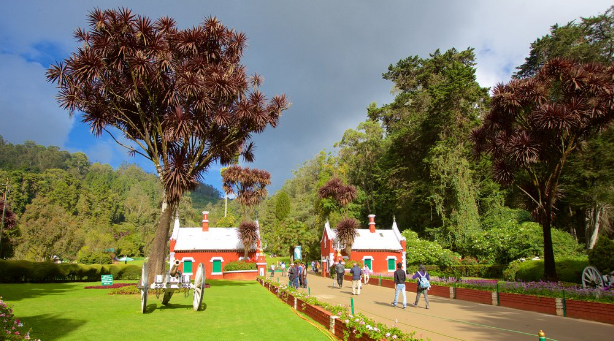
(144, 288)
(591, 278)
(199, 287)
(167, 297)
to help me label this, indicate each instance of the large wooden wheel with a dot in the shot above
(199, 287)
(591, 278)
(144, 288)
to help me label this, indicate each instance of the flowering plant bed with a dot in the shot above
(347, 327)
(10, 327)
(114, 286)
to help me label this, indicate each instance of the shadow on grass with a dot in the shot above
(49, 327)
(18, 292)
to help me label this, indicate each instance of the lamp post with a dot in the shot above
(4, 195)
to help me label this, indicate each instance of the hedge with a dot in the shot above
(21, 271)
(462, 270)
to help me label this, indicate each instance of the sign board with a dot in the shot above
(107, 279)
(297, 252)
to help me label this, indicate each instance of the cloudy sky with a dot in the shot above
(327, 56)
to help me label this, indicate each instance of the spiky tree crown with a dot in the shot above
(248, 233)
(335, 189)
(181, 95)
(248, 184)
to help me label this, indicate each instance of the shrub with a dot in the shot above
(125, 290)
(11, 329)
(40, 272)
(421, 251)
(567, 269)
(602, 255)
(240, 265)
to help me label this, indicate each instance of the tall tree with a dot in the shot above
(342, 195)
(536, 123)
(181, 96)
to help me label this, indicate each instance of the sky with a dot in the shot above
(327, 56)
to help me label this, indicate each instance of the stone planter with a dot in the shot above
(241, 275)
(546, 305)
(411, 286)
(474, 295)
(437, 290)
(594, 311)
(387, 283)
(318, 314)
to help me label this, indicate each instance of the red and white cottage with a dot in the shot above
(379, 249)
(214, 247)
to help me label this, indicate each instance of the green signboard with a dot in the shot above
(107, 279)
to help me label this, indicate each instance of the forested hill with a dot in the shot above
(30, 157)
(96, 206)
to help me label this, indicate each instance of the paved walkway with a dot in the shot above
(450, 319)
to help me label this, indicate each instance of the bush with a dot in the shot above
(602, 255)
(240, 265)
(41, 272)
(567, 269)
(421, 251)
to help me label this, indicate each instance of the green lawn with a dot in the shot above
(232, 310)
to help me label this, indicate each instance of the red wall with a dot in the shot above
(205, 258)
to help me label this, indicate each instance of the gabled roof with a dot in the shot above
(216, 238)
(365, 240)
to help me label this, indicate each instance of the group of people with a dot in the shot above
(358, 274)
(297, 275)
(422, 286)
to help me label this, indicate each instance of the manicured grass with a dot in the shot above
(232, 310)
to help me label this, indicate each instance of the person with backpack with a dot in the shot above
(423, 285)
(399, 285)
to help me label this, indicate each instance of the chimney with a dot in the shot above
(372, 223)
(205, 221)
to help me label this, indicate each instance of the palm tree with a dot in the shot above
(536, 123)
(343, 195)
(180, 98)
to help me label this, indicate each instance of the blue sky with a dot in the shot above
(326, 56)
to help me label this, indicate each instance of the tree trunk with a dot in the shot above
(549, 264)
(156, 261)
(593, 224)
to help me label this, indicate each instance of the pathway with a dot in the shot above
(450, 319)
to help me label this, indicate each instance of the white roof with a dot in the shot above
(365, 240)
(217, 238)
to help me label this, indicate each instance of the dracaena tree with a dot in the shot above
(536, 123)
(342, 195)
(249, 185)
(180, 98)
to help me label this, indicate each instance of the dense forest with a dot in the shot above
(412, 161)
(65, 206)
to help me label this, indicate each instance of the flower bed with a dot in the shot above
(10, 327)
(346, 326)
(114, 286)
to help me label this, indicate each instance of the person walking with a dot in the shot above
(423, 285)
(356, 272)
(283, 269)
(304, 276)
(365, 274)
(272, 270)
(333, 270)
(299, 274)
(399, 285)
(340, 269)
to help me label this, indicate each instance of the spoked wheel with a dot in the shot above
(167, 297)
(591, 278)
(144, 288)
(199, 287)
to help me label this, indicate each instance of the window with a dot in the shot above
(187, 267)
(391, 264)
